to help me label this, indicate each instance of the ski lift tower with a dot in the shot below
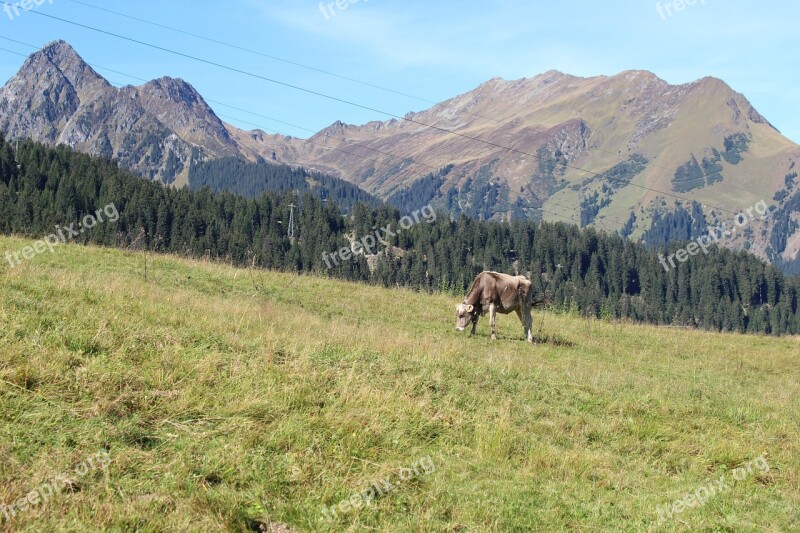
(291, 222)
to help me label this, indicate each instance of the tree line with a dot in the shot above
(582, 270)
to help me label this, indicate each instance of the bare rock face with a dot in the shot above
(178, 104)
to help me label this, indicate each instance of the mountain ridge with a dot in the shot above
(604, 146)
(564, 133)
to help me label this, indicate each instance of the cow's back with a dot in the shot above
(503, 290)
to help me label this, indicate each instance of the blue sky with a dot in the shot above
(433, 50)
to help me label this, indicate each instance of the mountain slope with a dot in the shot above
(633, 127)
(597, 274)
(251, 180)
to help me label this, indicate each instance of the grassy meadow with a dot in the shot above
(242, 400)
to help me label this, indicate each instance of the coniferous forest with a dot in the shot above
(584, 271)
(250, 180)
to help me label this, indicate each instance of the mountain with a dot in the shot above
(611, 151)
(157, 129)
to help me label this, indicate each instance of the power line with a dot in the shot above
(376, 86)
(255, 114)
(294, 125)
(402, 159)
(347, 78)
(367, 147)
(269, 56)
(361, 106)
(291, 222)
(579, 223)
(12, 51)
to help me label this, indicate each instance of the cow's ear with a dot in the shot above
(470, 308)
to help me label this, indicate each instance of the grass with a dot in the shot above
(237, 400)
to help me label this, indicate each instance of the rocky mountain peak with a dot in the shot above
(59, 49)
(552, 76)
(337, 128)
(604, 146)
(174, 89)
(59, 55)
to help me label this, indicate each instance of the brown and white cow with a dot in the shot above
(495, 292)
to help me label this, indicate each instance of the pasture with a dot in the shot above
(232, 399)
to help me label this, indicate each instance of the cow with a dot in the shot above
(495, 292)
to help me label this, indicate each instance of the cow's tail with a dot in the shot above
(540, 302)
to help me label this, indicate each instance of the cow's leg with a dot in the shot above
(528, 323)
(474, 324)
(524, 305)
(492, 320)
(521, 320)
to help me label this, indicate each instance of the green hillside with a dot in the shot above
(601, 275)
(229, 399)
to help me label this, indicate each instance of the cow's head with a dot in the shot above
(465, 313)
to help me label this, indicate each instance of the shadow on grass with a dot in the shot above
(538, 338)
(554, 340)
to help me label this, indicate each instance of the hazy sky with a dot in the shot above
(433, 50)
